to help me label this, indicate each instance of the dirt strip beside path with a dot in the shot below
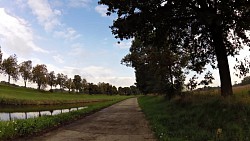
(123, 121)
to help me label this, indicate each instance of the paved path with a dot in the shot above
(123, 121)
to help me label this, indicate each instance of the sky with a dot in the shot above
(71, 37)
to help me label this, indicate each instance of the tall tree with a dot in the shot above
(10, 67)
(84, 85)
(69, 84)
(39, 73)
(25, 71)
(156, 67)
(1, 55)
(51, 78)
(60, 80)
(211, 30)
(78, 82)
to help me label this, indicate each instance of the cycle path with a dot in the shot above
(123, 121)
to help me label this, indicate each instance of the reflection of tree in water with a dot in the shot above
(8, 116)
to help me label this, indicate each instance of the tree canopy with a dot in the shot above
(10, 67)
(25, 71)
(39, 73)
(208, 30)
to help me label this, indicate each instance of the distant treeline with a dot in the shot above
(40, 75)
(244, 81)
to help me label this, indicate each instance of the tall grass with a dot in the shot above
(198, 117)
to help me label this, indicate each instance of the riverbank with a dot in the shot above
(27, 96)
(23, 128)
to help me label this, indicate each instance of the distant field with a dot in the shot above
(18, 95)
(236, 90)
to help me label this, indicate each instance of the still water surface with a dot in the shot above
(19, 112)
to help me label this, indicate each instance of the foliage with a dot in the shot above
(60, 80)
(10, 67)
(208, 30)
(242, 67)
(39, 73)
(25, 71)
(192, 84)
(157, 69)
(246, 80)
(77, 81)
(51, 79)
(198, 117)
(69, 84)
(208, 79)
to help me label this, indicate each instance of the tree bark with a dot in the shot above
(221, 54)
(25, 83)
(9, 79)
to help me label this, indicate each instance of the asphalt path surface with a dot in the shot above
(123, 121)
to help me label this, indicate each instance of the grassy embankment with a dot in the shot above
(22, 96)
(23, 128)
(199, 117)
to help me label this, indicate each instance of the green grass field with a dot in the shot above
(18, 95)
(199, 117)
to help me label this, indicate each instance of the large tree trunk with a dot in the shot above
(9, 79)
(221, 54)
(25, 83)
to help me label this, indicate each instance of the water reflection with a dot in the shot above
(8, 116)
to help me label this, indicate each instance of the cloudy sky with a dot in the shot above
(70, 37)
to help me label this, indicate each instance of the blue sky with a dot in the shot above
(70, 37)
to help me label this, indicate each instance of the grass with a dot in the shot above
(199, 117)
(24, 128)
(20, 96)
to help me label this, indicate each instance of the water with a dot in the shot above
(19, 114)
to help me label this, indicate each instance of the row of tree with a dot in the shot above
(40, 75)
(173, 35)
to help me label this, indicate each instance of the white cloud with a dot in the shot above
(77, 50)
(124, 44)
(17, 35)
(45, 15)
(79, 3)
(58, 59)
(68, 34)
(101, 9)
(95, 74)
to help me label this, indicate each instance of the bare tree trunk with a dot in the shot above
(221, 54)
(9, 79)
(25, 81)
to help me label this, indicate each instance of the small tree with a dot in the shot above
(10, 67)
(68, 84)
(61, 78)
(39, 75)
(51, 78)
(25, 71)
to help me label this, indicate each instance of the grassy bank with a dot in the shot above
(199, 117)
(20, 96)
(24, 128)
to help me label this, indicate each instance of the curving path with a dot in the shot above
(123, 121)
